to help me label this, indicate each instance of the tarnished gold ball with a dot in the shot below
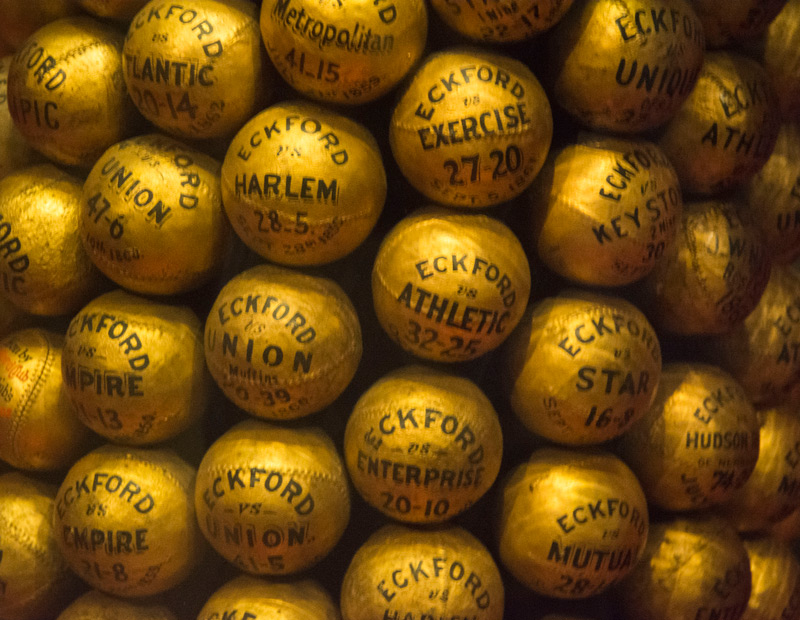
(125, 520)
(772, 491)
(788, 528)
(11, 317)
(480, 287)
(152, 217)
(344, 52)
(196, 69)
(779, 52)
(422, 446)
(712, 276)
(282, 344)
(420, 573)
(776, 581)
(35, 581)
(691, 568)
(699, 441)
(303, 185)
(626, 67)
(15, 152)
(122, 10)
(272, 500)
(582, 367)
(472, 128)
(726, 23)
(299, 600)
(773, 197)
(66, 92)
(571, 523)
(760, 352)
(95, 605)
(134, 369)
(726, 129)
(39, 430)
(604, 210)
(44, 268)
(506, 23)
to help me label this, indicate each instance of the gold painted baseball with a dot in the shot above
(571, 523)
(21, 18)
(151, 217)
(604, 210)
(776, 581)
(282, 344)
(38, 428)
(693, 567)
(495, 23)
(122, 10)
(196, 69)
(788, 528)
(125, 521)
(35, 582)
(773, 197)
(730, 22)
(258, 598)
(303, 185)
(760, 352)
(134, 369)
(726, 129)
(414, 573)
(472, 128)
(15, 152)
(699, 441)
(44, 269)
(582, 367)
(480, 287)
(272, 500)
(95, 605)
(626, 67)
(344, 52)
(11, 317)
(66, 92)
(778, 49)
(422, 445)
(712, 276)
(772, 491)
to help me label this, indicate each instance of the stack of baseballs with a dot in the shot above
(399, 309)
